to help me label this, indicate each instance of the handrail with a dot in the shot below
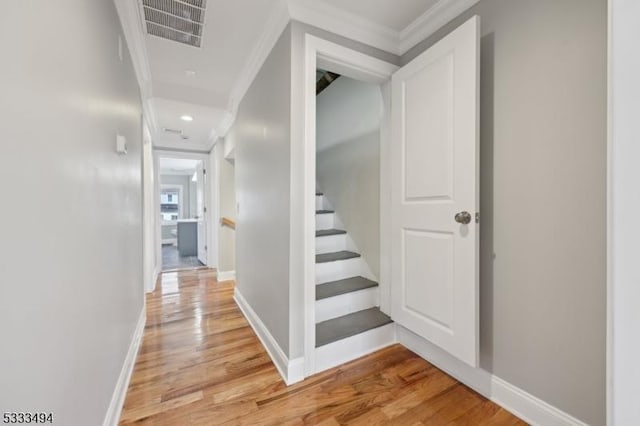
(225, 221)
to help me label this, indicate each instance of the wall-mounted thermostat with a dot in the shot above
(121, 144)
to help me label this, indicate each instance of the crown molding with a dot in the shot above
(349, 25)
(431, 21)
(333, 19)
(131, 19)
(277, 21)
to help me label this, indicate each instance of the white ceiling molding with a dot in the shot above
(431, 21)
(276, 23)
(330, 18)
(335, 20)
(132, 21)
(149, 114)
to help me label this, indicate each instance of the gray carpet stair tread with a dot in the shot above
(329, 232)
(349, 325)
(349, 285)
(332, 257)
(324, 211)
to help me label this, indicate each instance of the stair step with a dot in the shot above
(338, 255)
(324, 211)
(329, 232)
(349, 325)
(349, 285)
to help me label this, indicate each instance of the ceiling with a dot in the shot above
(207, 83)
(178, 166)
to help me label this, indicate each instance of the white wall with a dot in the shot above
(347, 110)
(543, 99)
(348, 116)
(71, 289)
(624, 274)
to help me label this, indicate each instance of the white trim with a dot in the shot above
(384, 281)
(431, 21)
(524, 405)
(226, 276)
(330, 18)
(609, 354)
(623, 203)
(120, 392)
(354, 64)
(276, 23)
(292, 371)
(346, 24)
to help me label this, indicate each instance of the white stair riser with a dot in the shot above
(332, 243)
(319, 202)
(345, 350)
(348, 303)
(325, 221)
(341, 269)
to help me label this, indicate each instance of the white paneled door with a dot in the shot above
(435, 193)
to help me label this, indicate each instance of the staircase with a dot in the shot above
(349, 323)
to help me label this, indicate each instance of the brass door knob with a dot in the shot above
(463, 218)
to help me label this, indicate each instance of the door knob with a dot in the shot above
(463, 218)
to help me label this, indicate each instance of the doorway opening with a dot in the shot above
(182, 210)
(349, 115)
(333, 259)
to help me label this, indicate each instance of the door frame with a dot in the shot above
(212, 245)
(623, 232)
(351, 63)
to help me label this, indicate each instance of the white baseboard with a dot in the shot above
(292, 371)
(524, 405)
(120, 392)
(226, 276)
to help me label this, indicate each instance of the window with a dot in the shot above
(170, 208)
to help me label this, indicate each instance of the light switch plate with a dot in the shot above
(121, 144)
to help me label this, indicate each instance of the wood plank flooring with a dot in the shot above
(201, 364)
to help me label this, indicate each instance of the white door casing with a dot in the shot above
(200, 209)
(434, 259)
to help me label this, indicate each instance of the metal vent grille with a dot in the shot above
(177, 20)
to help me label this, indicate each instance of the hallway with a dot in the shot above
(200, 363)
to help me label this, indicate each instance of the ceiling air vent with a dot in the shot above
(177, 20)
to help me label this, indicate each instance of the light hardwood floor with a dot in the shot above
(201, 364)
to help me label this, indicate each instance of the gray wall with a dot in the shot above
(71, 290)
(543, 197)
(262, 138)
(348, 168)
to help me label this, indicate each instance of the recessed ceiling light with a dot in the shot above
(186, 118)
